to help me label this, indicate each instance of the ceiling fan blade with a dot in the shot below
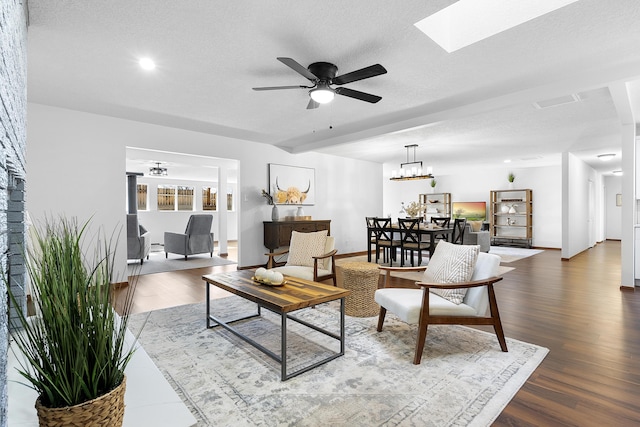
(364, 73)
(281, 87)
(312, 104)
(295, 66)
(362, 96)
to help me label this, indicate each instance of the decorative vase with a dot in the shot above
(433, 190)
(505, 208)
(106, 410)
(510, 185)
(300, 211)
(275, 215)
(512, 209)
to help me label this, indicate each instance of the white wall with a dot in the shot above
(475, 185)
(76, 166)
(613, 213)
(578, 228)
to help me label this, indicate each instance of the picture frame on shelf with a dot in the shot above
(292, 185)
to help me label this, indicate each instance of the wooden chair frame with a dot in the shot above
(459, 225)
(411, 239)
(426, 319)
(316, 278)
(384, 239)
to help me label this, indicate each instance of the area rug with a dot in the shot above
(510, 254)
(157, 263)
(464, 378)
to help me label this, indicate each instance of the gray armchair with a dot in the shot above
(197, 238)
(481, 238)
(138, 239)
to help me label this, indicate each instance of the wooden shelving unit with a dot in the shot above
(511, 219)
(435, 204)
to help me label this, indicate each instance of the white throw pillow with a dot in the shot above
(451, 264)
(304, 246)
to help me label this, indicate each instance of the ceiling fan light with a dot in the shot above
(322, 95)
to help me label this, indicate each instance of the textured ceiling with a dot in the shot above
(471, 106)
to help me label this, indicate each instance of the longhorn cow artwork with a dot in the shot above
(292, 185)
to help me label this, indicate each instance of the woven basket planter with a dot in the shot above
(104, 411)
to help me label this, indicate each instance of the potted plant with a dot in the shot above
(433, 185)
(73, 350)
(511, 177)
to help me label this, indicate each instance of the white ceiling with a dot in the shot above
(472, 106)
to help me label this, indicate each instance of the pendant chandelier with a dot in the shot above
(157, 170)
(411, 169)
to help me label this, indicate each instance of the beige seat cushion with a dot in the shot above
(451, 264)
(301, 272)
(407, 303)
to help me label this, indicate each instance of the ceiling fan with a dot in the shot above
(322, 75)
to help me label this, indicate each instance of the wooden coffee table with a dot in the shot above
(294, 295)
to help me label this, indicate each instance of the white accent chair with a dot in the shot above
(479, 306)
(324, 266)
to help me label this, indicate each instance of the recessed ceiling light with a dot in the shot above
(147, 64)
(468, 21)
(508, 161)
(606, 157)
(617, 173)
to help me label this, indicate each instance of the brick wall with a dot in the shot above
(13, 138)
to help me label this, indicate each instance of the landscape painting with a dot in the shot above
(472, 211)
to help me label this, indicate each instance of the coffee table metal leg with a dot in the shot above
(283, 347)
(341, 326)
(208, 304)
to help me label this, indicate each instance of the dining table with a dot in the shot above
(428, 231)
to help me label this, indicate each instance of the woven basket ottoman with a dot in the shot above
(361, 278)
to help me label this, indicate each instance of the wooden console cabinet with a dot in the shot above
(278, 233)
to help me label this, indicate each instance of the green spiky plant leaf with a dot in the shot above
(74, 349)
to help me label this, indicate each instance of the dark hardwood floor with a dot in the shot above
(591, 376)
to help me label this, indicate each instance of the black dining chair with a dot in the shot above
(371, 235)
(385, 241)
(459, 225)
(411, 239)
(442, 222)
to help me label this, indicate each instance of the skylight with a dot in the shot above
(468, 21)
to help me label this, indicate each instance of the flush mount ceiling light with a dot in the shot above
(618, 173)
(411, 169)
(606, 157)
(468, 21)
(147, 64)
(157, 170)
